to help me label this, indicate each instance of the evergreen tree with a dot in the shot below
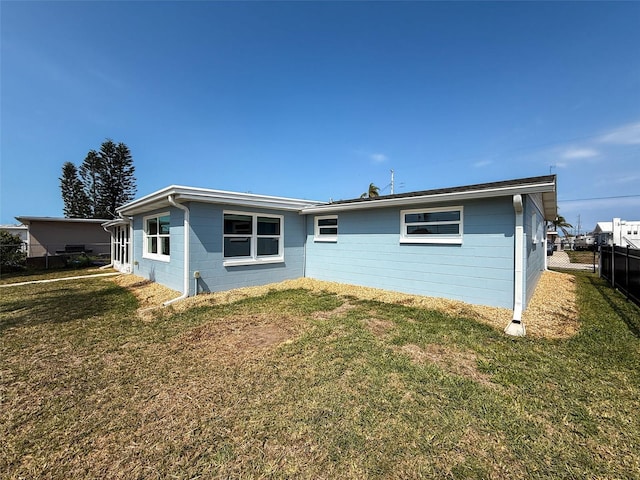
(76, 203)
(104, 182)
(90, 178)
(117, 182)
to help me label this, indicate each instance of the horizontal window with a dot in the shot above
(326, 228)
(250, 238)
(157, 238)
(432, 225)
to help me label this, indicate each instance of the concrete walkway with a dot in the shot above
(60, 279)
(560, 259)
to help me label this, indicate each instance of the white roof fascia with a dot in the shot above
(437, 198)
(115, 222)
(279, 204)
(26, 220)
(189, 194)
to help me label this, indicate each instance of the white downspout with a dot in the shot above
(516, 327)
(131, 250)
(112, 248)
(187, 227)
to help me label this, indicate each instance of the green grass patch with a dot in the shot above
(583, 256)
(301, 385)
(30, 275)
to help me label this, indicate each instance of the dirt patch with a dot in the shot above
(379, 327)
(325, 315)
(239, 337)
(451, 360)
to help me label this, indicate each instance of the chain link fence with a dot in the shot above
(559, 258)
(60, 255)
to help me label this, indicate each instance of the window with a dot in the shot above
(252, 238)
(431, 225)
(537, 229)
(157, 236)
(326, 229)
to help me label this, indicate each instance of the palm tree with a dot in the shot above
(562, 224)
(373, 192)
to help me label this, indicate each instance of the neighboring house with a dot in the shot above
(18, 230)
(482, 244)
(619, 232)
(50, 236)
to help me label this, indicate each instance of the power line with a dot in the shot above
(598, 198)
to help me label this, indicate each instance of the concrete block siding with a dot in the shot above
(368, 252)
(169, 273)
(206, 251)
(535, 250)
(368, 249)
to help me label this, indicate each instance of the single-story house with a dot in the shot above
(50, 236)
(482, 244)
(619, 232)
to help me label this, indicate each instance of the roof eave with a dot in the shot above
(544, 188)
(27, 220)
(159, 199)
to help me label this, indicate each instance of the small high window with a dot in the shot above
(326, 228)
(431, 225)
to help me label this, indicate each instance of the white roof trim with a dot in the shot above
(439, 198)
(26, 220)
(189, 194)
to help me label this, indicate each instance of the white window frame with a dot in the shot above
(254, 258)
(318, 236)
(159, 236)
(537, 229)
(432, 238)
(121, 243)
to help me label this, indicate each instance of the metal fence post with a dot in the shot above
(626, 273)
(613, 265)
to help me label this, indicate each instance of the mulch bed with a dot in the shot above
(551, 313)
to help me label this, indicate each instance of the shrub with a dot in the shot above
(12, 255)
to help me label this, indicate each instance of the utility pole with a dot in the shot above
(391, 182)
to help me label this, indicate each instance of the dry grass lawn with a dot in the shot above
(315, 380)
(551, 313)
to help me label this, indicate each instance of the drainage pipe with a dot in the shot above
(112, 249)
(516, 327)
(187, 227)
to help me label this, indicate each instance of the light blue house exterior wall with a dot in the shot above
(169, 273)
(535, 251)
(368, 252)
(206, 251)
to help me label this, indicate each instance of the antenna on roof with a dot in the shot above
(392, 182)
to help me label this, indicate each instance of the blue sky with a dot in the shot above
(318, 99)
